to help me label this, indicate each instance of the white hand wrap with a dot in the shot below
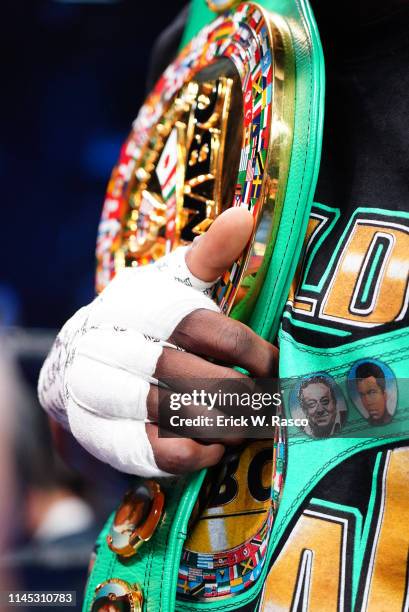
(95, 381)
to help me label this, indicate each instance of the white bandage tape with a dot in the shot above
(51, 379)
(118, 365)
(149, 301)
(97, 377)
(122, 443)
(174, 265)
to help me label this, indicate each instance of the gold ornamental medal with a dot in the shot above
(137, 518)
(117, 595)
(215, 132)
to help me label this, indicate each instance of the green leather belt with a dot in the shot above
(291, 163)
(155, 569)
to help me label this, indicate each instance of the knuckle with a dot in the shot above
(236, 341)
(187, 329)
(74, 376)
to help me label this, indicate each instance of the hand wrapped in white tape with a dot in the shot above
(98, 378)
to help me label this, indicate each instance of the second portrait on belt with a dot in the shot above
(372, 388)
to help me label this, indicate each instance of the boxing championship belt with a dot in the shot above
(235, 120)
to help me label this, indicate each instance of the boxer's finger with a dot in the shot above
(213, 335)
(181, 455)
(180, 369)
(163, 404)
(216, 250)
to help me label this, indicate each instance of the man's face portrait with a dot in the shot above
(319, 406)
(373, 397)
(372, 388)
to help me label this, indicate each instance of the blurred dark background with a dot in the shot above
(73, 77)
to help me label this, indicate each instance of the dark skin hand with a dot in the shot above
(207, 335)
(203, 335)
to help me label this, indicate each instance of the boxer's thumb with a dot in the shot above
(215, 251)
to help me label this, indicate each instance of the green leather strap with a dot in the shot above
(304, 165)
(156, 565)
(291, 226)
(291, 216)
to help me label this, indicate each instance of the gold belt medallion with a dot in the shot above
(215, 132)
